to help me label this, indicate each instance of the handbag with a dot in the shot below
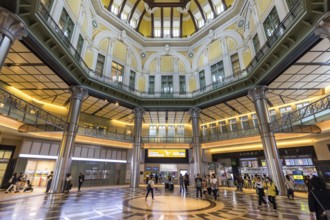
(325, 212)
(148, 186)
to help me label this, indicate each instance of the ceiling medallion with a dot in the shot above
(94, 23)
(143, 55)
(190, 54)
(240, 23)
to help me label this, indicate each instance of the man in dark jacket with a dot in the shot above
(318, 198)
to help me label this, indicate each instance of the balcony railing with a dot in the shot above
(37, 119)
(302, 117)
(104, 134)
(218, 136)
(185, 140)
(281, 29)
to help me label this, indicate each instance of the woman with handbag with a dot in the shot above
(150, 188)
(318, 199)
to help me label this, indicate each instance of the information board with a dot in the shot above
(168, 153)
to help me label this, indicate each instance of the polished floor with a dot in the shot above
(126, 203)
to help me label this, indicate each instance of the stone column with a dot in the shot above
(274, 165)
(197, 150)
(63, 163)
(136, 153)
(12, 27)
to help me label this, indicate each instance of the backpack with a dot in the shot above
(276, 191)
(198, 183)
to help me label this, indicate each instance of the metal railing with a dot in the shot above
(303, 116)
(20, 110)
(281, 29)
(148, 139)
(218, 136)
(104, 134)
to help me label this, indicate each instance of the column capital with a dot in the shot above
(138, 112)
(258, 92)
(78, 92)
(322, 28)
(194, 112)
(11, 25)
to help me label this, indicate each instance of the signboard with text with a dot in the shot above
(168, 153)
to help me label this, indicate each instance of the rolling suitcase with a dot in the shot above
(167, 186)
(171, 187)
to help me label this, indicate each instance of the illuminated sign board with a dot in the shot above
(298, 176)
(169, 153)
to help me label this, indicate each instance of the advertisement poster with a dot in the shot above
(172, 153)
(298, 176)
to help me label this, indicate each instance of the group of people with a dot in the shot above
(19, 182)
(207, 186)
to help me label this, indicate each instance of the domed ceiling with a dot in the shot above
(167, 18)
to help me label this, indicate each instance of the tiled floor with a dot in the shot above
(126, 203)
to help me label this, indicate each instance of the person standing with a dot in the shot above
(272, 193)
(198, 184)
(290, 186)
(307, 181)
(260, 191)
(214, 186)
(49, 181)
(150, 188)
(156, 178)
(13, 181)
(68, 183)
(181, 184)
(208, 184)
(81, 179)
(186, 182)
(318, 199)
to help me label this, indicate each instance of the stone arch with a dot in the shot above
(219, 34)
(172, 53)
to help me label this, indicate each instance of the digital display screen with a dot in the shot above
(169, 153)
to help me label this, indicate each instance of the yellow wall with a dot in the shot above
(152, 67)
(231, 44)
(214, 50)
(229, 2)
(192, 84)
(106, 2)
(187, 28)
(120, 51)
(74, 5)
(133, 62)
(89, 58)
(84, 25)
(145, 28)
(141, 84)
(104, 44)
(166, 64)
(262, 5)
(181, 66)
(247, 57)
(201, 60)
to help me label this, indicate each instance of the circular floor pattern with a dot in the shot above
(163, 203)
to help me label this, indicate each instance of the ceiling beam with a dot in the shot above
(122, 8)
(269, 103)
(232, 108)
(110, 4)
(181, 21)
(212, 8)
(224, 4)
(201, 10)
(162, 22)
(140, 20)
(171, 23)
(133, 10)
(193, 19)
(100, 109)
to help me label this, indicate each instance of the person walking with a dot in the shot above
(290, 186)
(181, 182)
(49, 181)
(318, 199)
(260, 191)
(272, 193)
(150, 188)
(13, 181)
(208, 184)
(214, 186)
(81, 179)
(186, 182)
(198, 184)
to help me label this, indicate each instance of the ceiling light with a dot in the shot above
(116, 103)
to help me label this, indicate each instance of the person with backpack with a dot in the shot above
(13, 181)
(272, 193)
(318, 199)
(150, 188)
(214, 186)
(198, 184)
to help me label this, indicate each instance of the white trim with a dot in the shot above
(98, 160)
(37, 156)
